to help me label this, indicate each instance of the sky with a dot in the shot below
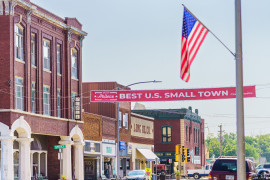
(132, 41)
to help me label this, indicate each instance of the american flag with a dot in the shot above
(193, 34)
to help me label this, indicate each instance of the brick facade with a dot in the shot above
(11, 67)
(180, 121)
(67, 33)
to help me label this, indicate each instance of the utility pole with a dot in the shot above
(220, 139)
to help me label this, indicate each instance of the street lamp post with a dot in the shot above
(117, 155)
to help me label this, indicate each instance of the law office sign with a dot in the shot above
(169, 95)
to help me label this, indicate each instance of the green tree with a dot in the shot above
(213, 146)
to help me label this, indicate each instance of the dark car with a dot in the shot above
(226, 169)
(262, 174)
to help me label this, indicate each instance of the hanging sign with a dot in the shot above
(168, 95)
(77, 108)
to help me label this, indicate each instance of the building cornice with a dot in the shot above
(52, 20)
(40, 115)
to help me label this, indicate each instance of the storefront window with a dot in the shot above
(137, 164)
(16, 164)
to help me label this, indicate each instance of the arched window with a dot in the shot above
(166, 134)
(74, 63)
(19, 42)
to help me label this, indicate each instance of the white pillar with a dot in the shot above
(7, 163)
(31, 164)
(38, 163)
(66, 161)
(24, 158)
(78, 160)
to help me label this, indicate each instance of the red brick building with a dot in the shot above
(41, 73)
(110, 110)
(98, 131)
(177, 126)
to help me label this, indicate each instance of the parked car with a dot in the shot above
(262, 174)
(136, 175)
(198, 173)
(263, 166)
(226, 168)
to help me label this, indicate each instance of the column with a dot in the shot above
(7, 166)
(78, 160)
(31, 162)
(66, 154)
(24, 158)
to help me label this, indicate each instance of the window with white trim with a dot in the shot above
(74, 63)
(19, 42)
(46, 55)
(59, 103)
(46, 100)
(58, 58)
(125, 120)
(19, 93)
(33, 49)
(33, 97)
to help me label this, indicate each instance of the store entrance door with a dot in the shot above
(90, 169)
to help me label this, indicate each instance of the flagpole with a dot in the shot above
(209, 30)
(241, 163)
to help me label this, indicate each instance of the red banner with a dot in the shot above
(168, 95)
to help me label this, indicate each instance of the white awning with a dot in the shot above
(148, 154)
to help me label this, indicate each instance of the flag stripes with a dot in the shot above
(193, 34)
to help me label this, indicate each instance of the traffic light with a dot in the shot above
(188, 156)
(183, 154)
(178, 148)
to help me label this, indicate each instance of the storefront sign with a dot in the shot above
(129, 151)
(122, 146)
(142, 128)
(169, 95)
(197, 159)
(108, 149)
(77, 108)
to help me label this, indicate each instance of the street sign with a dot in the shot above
(168, 95)
(122, 146)
(59, 146)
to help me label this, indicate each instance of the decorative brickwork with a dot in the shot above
(92, 127)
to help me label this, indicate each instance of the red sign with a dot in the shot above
(168, 95)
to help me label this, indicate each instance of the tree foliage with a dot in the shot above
(256, 147)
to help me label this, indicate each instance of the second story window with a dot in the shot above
(33, 97)
(120, 119)
(19, 93)
(166, 134)
(46, 55)
(46, 101)
(58, 58)
(19, 42)
(59, 103)
(33, 49)
(125, 120)
(74, 64)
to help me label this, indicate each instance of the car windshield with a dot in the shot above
(226, 165)
(134, 173)
(266, 165)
